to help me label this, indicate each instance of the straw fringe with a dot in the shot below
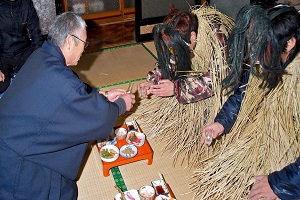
(264, 139)
(178, 127)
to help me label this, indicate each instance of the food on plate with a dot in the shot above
(133, 137)
(131, 126)
(128, 151)
(108, 153)
(160, 187)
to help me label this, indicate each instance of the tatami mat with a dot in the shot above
(151, 47)
(110, 68)
(115, 65)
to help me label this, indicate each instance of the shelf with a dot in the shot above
(101, 11)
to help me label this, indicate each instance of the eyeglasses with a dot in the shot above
(86, 43)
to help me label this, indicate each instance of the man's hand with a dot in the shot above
(261, 189)
(113, 94)
(164, 88)
(129, 100)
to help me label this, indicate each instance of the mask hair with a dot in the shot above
(285, 8)
(247, 42)
(167, 40)
(173, 23)
(284, 21)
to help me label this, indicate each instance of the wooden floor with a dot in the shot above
(110, 35)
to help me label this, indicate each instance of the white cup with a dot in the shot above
(147, 192)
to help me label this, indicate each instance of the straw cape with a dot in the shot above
(264, 139)
(178, 126)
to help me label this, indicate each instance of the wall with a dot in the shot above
(229, 7)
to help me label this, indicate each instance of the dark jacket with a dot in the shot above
(47, 119)
(20, 35)
(284, 183)
(231, 107)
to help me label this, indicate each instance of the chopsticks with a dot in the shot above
(129, 90)
(161, 177)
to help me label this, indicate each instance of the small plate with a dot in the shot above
(160, 187)
(136, 138)
(109, 149)
(131, 126)
(128, 151)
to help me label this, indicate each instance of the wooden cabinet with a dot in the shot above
(101, 11)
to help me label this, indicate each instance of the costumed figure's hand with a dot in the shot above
(211, 132)
(164, 88)
(2, 77)
(261, 189)
(143, 89)
(129, 100)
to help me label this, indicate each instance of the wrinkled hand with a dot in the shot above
(217, 128)
(129, 100)
(261, 189)
(2, 77)
(113, 94)
(164, 88)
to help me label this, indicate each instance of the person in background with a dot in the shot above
(261, 119)
(48, 116)
(183, 92)
(2, 77)
(20, 35)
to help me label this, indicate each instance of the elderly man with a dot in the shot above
(49, 115)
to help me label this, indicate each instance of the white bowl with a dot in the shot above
(128, 151)
(138, 136)
(109, 149)
(147, 192)
(121, 133)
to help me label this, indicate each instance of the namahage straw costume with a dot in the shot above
(265, 136)
(178, 126)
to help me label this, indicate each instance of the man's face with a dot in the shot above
(79, 48)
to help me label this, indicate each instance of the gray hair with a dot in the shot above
(65, 24)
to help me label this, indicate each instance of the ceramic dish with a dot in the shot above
(133, 195)
(131, 126)
(147, 192)
(136, 138)
(109, 153)
(128, 151)
(160, 187)
(121, 133)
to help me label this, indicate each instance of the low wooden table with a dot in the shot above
(145, 152)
